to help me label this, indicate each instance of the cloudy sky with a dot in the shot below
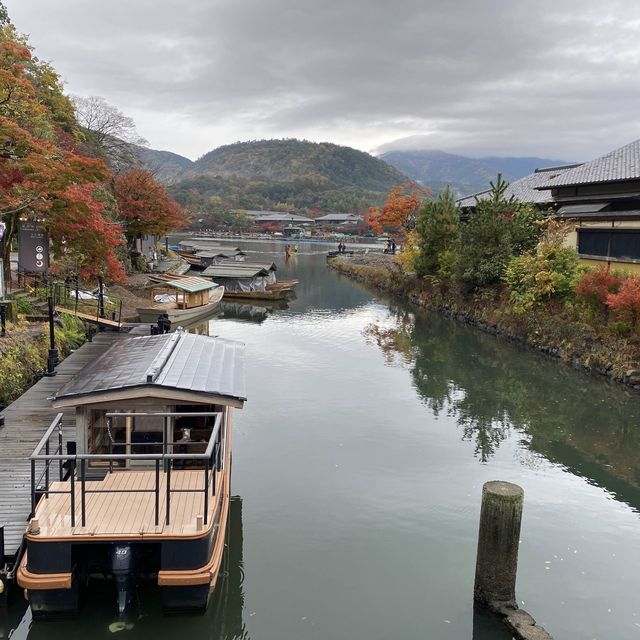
(555, 78)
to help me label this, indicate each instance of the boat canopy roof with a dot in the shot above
(217, 253)
(267, 266)
(190, 284)
(241, 271)
(180, 365)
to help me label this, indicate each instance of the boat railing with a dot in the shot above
(212, 460)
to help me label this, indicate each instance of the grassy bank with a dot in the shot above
(24, 351)
(569, 333)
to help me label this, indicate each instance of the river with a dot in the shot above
(359, 461)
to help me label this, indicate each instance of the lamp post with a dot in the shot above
(52, 359)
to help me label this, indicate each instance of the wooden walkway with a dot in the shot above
(26, 420)
(87, 317)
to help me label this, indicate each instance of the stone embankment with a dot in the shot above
(551, 333)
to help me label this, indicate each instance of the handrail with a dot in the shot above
(211, 458)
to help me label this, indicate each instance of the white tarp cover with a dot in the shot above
(244, 285)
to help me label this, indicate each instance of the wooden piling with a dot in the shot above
(497, 561)
(498, 541)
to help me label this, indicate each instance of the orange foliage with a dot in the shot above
(145, 206)
(398, 216)
(626, 302)
(595, 286)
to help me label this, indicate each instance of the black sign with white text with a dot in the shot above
(33, 248)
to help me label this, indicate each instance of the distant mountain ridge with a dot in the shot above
(166, 166)
(466, 175)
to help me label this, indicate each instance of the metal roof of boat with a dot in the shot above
(267, 266)
(215, 253)
(233, 271)
(190, 284)
(179, 361)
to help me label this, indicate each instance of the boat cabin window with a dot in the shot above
(144, 434)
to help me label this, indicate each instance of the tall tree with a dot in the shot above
(438, 230)
(145, 206)
(109, 133)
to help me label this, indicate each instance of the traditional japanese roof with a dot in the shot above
(241, 271)
(161, 366)
(525, 189)
(616, 166)
(282, 217)
(339, 217)
(190, 284)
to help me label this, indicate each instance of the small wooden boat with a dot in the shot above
(144, 495)
(183, 298)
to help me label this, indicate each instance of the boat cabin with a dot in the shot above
(185, 291)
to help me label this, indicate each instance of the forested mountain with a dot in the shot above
(294, 173)
(435, 169)
(164, 165)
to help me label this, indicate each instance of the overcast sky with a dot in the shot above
(554, 78)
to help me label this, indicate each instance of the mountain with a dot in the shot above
(287, 160)
(294, 173)
(464, 174)
(165, 165)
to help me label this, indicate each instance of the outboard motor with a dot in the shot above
(123, 570)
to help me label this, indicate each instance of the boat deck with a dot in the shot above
(26, 421)
(121, 515)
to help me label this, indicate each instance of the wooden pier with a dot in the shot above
(26, 421)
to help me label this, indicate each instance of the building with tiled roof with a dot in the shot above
(525, 189)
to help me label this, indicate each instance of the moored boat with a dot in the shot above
(145, 494)
(183, 298)
(250, 280)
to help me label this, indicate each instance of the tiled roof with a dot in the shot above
(615, 166)
(182, 361)
(190, 284)
(339, 217)
(525, 189)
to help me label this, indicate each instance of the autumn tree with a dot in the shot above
(399, 214)
(145, 207)
(41, 174)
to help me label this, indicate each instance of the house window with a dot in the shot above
(622, 244)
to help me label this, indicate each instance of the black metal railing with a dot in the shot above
(95, 304)
(212, 460)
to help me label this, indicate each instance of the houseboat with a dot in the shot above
(183, 298)
(199, 258)
(250, 280)
(142, 492)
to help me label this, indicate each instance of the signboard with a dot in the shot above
(33, 248)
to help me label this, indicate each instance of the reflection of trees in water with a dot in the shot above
(490, 387)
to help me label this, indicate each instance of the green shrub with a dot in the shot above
(552, 271)
(24, 306)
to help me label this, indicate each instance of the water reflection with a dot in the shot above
(489, 388)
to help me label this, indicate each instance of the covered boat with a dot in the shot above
(184, 298)
(143, 492)
(250, 280)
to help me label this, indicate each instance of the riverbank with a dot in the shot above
(553, 330)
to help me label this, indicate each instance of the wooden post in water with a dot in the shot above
(498, 541)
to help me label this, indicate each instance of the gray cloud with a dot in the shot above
(486, 76)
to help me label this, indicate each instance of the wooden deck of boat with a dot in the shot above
(26, 420)
(121, 515)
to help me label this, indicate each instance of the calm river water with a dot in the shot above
(358, 466)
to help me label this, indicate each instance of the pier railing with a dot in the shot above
(163, 463)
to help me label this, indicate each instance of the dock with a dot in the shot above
(26, 421)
